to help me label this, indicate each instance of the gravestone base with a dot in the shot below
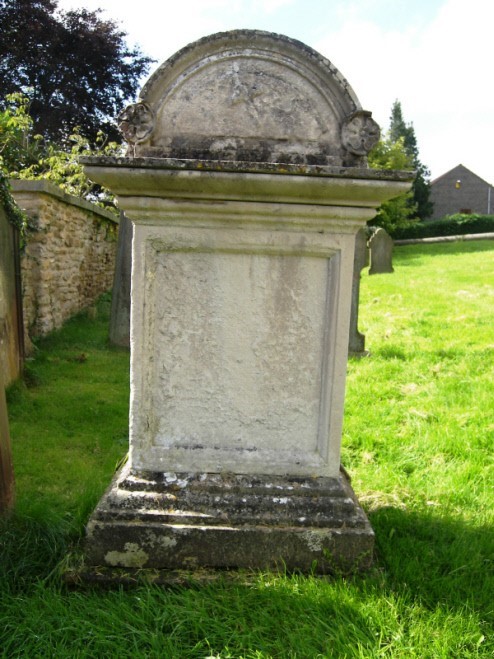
(223, 521)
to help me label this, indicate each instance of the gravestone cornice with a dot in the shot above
(252, 182)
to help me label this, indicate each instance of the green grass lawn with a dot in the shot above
(418, 442)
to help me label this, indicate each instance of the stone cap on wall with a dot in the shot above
(20, 186)
(253, 96)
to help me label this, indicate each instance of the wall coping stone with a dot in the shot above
(48, 188)
(446, 239)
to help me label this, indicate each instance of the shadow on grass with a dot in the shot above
(425, 562)
(276, 613)
(438, 559)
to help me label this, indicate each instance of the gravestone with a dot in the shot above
(246, 182)
(381, 252)
(120, 301)
(356, 343)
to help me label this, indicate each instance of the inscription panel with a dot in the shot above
(242, 340)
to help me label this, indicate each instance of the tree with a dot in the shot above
(398, 149)
(17, 151)
(421, 186)
(74, 66)
(392, 154)
(27, 156)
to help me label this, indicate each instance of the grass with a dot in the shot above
(417, 440)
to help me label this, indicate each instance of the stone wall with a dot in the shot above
(69, 257)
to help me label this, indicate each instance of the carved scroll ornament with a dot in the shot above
(136, 122)
(360, 133)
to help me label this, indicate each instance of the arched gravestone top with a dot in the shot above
(252, 96)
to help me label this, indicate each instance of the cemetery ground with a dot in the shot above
(418, 443)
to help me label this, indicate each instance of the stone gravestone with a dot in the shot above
(381, 252)
(246, 183)
(356, 343)
(120, 306)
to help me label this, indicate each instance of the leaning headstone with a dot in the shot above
(120, 306)
(246, 182)
(381, 252)
(356, 343)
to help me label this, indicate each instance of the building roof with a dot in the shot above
(459, 168)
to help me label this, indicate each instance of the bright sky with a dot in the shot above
(435, 56)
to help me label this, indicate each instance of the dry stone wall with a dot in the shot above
(69, 257)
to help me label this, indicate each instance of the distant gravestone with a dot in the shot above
(381, 252)
(246, 182)
(356, 343)
(120, 307)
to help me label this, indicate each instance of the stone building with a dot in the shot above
(461, 191)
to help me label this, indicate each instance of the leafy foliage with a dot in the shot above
(452, 225)
(400, 211)
(14, 213)
(28, 156)
(16, 150)
(390, 154)
(398, 150)
(74, 66)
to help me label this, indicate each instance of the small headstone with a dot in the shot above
(120, 306)
(381, 252)
(356, 343)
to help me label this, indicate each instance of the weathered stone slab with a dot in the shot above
(356, 343)
(240, 313)
(120, 307)
(381, 252)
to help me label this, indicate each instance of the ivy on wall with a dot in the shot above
(12, 210)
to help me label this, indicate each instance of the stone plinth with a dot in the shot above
(241, 295)
(194, 520)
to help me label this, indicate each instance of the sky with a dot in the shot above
(434, 56)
